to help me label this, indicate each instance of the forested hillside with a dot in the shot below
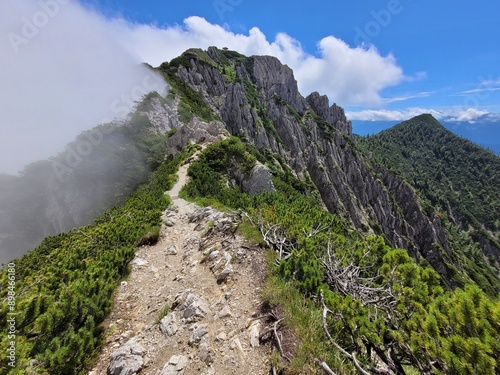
(458, 181)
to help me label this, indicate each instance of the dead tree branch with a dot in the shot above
(324, 366)
(346, 278)
(275, 237)
(278, 340)
(352, 356)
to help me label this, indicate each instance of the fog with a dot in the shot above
(61, 71)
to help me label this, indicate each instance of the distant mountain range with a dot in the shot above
(483, 132)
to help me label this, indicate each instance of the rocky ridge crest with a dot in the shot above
(257, 98)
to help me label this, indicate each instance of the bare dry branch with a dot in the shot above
(324, 366)
(278, 340)
(346, 278)
(352, 356)
(275, 237)
(358, 365)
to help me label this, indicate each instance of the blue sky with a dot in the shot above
(449, 51)
(69, 64)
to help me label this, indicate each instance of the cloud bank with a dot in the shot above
(351, 76)
(62, 71)
(469, 115)
(64, 68)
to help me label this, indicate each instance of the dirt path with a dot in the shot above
(206, 281)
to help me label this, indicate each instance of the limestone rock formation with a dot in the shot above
(128, 359)
(262, 104)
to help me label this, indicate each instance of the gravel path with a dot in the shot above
(214, 278)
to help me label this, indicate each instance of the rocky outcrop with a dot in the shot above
(161, 113)
(274, 78)
(175, 365)
(262, 104)
(127, 360)
(334, 114)
(196, 132)
(259, 181)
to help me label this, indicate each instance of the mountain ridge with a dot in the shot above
(453, 176)
(264, 107)
(342, 283)
(482, 132)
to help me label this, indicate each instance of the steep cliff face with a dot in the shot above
(257, 98)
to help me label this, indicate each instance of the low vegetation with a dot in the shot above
(64, 288)
(354, 303)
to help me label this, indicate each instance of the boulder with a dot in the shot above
(176, 365)
(192, 307)
(198, 333)
(128, 359)
(259, 181)
(169, 324)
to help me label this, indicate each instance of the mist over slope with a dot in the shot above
(60, 78)
(96, 171)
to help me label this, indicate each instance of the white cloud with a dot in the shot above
(65, 67)
(403, 98)
(351, 76)
(347, 75)
(470, 115)
(478, 91)
(61, 72)
(484, 87)
(490, 81)
(419, 76)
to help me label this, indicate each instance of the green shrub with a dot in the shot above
(65, 286)
(417, 298)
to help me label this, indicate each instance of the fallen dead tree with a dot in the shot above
(275, 237)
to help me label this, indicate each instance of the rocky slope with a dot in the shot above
(257, 99)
